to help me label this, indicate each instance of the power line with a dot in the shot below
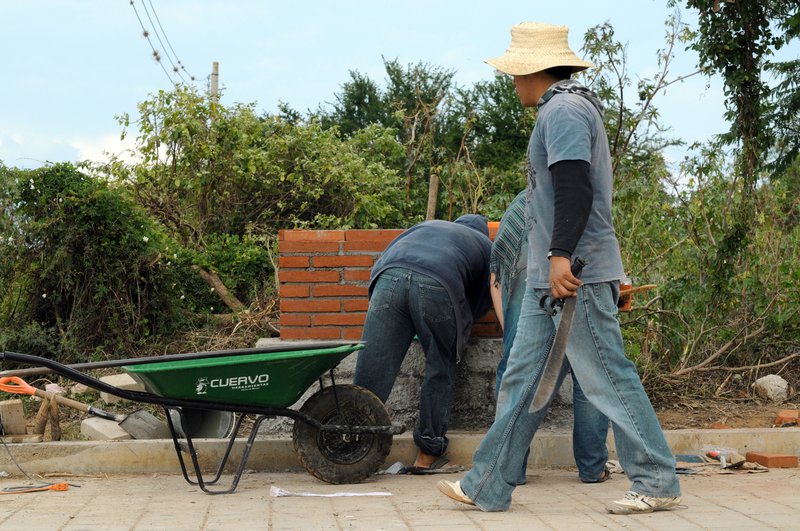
(153, 9)
(175, 69)
(146, 34)
(176, 64)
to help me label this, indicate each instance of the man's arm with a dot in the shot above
(497, 301)
(573, 205)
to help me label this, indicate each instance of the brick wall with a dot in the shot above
(323, 277)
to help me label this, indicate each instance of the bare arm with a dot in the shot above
(497, 301)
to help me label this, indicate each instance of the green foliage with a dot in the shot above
(735, 40)
(452, 134)
(208, 169)
(495, 125)
(82, 265)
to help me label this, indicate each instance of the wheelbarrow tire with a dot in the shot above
(338, 457)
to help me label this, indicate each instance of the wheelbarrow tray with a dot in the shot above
(273, 379)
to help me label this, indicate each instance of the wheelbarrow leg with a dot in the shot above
(198, 474)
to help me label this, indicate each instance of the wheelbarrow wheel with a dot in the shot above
(340, 457)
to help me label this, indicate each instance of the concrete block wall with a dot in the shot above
(323, 280)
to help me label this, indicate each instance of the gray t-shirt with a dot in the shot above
(569, 127)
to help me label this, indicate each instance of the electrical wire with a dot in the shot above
(175, 68)
(153, 9)
(25, 488)
(156, 54)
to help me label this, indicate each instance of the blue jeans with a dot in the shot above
(608, 379)
(405, 303)
(590, 427)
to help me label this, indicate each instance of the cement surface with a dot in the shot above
(552, 499)
(277, 454)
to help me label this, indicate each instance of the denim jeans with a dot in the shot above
(590, 427)
(609, 381)
(405, 303)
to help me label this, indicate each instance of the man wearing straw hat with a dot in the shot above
(568, 215)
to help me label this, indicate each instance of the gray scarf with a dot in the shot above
(570, 86)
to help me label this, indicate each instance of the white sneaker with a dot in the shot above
(452, 489)
(639, 503)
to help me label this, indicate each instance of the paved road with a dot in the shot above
(552, 499)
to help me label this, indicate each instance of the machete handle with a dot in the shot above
(577, 267)
(551, 304)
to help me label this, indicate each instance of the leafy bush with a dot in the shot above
(82, 264)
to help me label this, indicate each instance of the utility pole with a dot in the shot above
(215, 81)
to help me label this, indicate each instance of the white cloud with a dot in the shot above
(100, 149)
(22, 150)
(27, 150)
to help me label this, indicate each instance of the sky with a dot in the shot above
(71, 66)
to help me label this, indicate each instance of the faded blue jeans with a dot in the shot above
(608, 379)
(405, 303)
(590, 427)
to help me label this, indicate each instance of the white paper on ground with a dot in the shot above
(277, 491)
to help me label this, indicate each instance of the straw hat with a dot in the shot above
(535, 47)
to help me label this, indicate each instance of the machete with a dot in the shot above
(558, 348)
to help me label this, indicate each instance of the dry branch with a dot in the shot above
(213, 280)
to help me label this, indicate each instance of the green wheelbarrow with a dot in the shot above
(342, 433)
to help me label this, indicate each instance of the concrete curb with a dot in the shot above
(277, 454)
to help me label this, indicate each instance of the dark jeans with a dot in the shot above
(405, 303)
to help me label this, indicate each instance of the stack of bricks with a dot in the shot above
(324, 278)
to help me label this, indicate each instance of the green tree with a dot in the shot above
(223, 181)
(735, 40)
(81, 265)
(360, 104)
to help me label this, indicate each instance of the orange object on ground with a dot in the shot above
(773, 460)
(20, 490)
(787, 417)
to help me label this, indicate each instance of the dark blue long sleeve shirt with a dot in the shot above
(456, 254)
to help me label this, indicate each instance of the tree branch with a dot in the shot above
(213, 280)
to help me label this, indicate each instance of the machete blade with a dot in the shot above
(558, 349)
(555, 358)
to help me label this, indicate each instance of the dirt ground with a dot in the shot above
(711, 413)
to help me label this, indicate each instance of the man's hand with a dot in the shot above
(562, 282)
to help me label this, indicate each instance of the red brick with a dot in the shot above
(719, 426)
(352, 332)
(295, 319)
(488, 317)
(365, 245)
(486, 330)
(296, 291)
(787, 417)
(373, 235)
(493, 226)
(355, 305)
(293, 261)
(307, 247)
(326, 275)
(354, 260)
(357, 275)
(772, 460)
(310, 306)
(310, 333)
(339, 290)
(313, 235)
(340, 319)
